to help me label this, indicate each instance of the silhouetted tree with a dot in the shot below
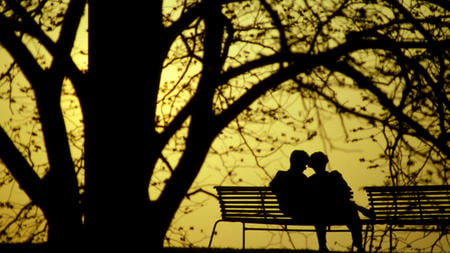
(382, 61)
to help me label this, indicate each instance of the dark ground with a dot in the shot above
(227, 250)
(42, 248)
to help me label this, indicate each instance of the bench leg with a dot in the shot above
(243, 235)
(366, 234)
(372, 237)
(213, 233)
(390, 238)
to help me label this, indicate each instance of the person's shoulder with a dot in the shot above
(335, 173)
(278, 177)
(281, 173)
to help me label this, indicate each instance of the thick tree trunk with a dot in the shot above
(65, 229)
(119, 124)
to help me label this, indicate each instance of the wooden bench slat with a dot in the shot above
(415, 211)
(425, 199)
(418, 192)
(234, 215)
(250, 204)
(250, 208)
(243, 200)
(415, 208)
(416, 195)
(232, 198)
(406, 207)
(408, 188)
(409, 216)
(254, 214)
(410, 208)
(401, 192)
(411, 203)
(246, 209)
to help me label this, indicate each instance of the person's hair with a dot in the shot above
(318, 159)
(299, 157)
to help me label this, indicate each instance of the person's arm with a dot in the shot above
(344, 188)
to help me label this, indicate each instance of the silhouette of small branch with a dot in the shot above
(201, 190)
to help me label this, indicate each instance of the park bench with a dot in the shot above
(403, 208)
(409, 208)
(256, 208)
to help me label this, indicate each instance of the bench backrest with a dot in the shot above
(410, 205)
(250, 204)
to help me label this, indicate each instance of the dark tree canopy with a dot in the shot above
(163, 82)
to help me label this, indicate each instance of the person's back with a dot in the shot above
(341, 191)
(329, 191)
(289, 186)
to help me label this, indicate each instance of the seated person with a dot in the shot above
(331, 199)
(289, 186)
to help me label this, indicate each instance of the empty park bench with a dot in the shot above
(400, 208)
(256, 208)
(409, 208)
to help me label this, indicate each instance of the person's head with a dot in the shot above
(318, 161)
(299, 159)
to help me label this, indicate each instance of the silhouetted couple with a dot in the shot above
(322, 199)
